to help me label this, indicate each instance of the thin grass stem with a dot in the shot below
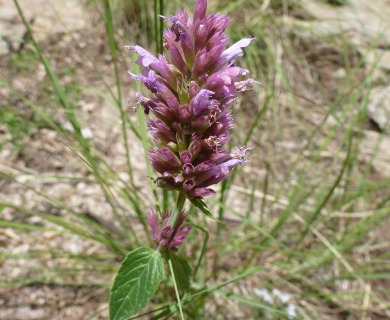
(176, 290)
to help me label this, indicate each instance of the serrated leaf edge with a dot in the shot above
(159, 277)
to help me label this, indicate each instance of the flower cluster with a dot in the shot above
(191, 91)
(171, 234)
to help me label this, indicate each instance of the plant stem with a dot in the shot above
(181, 199)
(161, 26)
(176, 291)
(203, 250)
(156, 26)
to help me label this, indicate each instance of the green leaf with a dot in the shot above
(203, 207)
(182, 271)
(136, 282)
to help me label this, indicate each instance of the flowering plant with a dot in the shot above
(191, 92)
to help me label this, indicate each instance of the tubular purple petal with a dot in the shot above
(185, 113)
(145, 58)
(160, 131)
(164, 160)
(201, 193)
(189, 184)
(233, 52)
(200, 10)
(188, 168)
(185, 157)
(200, 102)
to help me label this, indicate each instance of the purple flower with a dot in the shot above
(168, 236)
(191, 91)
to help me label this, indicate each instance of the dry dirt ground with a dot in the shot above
(75, 41)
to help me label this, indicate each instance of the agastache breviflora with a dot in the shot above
(192, 90)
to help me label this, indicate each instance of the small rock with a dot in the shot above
(67, 79)
(81, 186)
(383, 57)
(379, 107)
(58, 164)
(41, 72)
(378, 154)
(7, 14)
(87, 133)
(381, 60)
(107, 58)
(73, 247)
(340, 73)
(4, 48)
(23, 248)
(3, 129)
(87, 106)
(68, 126)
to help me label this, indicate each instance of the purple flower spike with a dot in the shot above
(166, 236)
(192, 88)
